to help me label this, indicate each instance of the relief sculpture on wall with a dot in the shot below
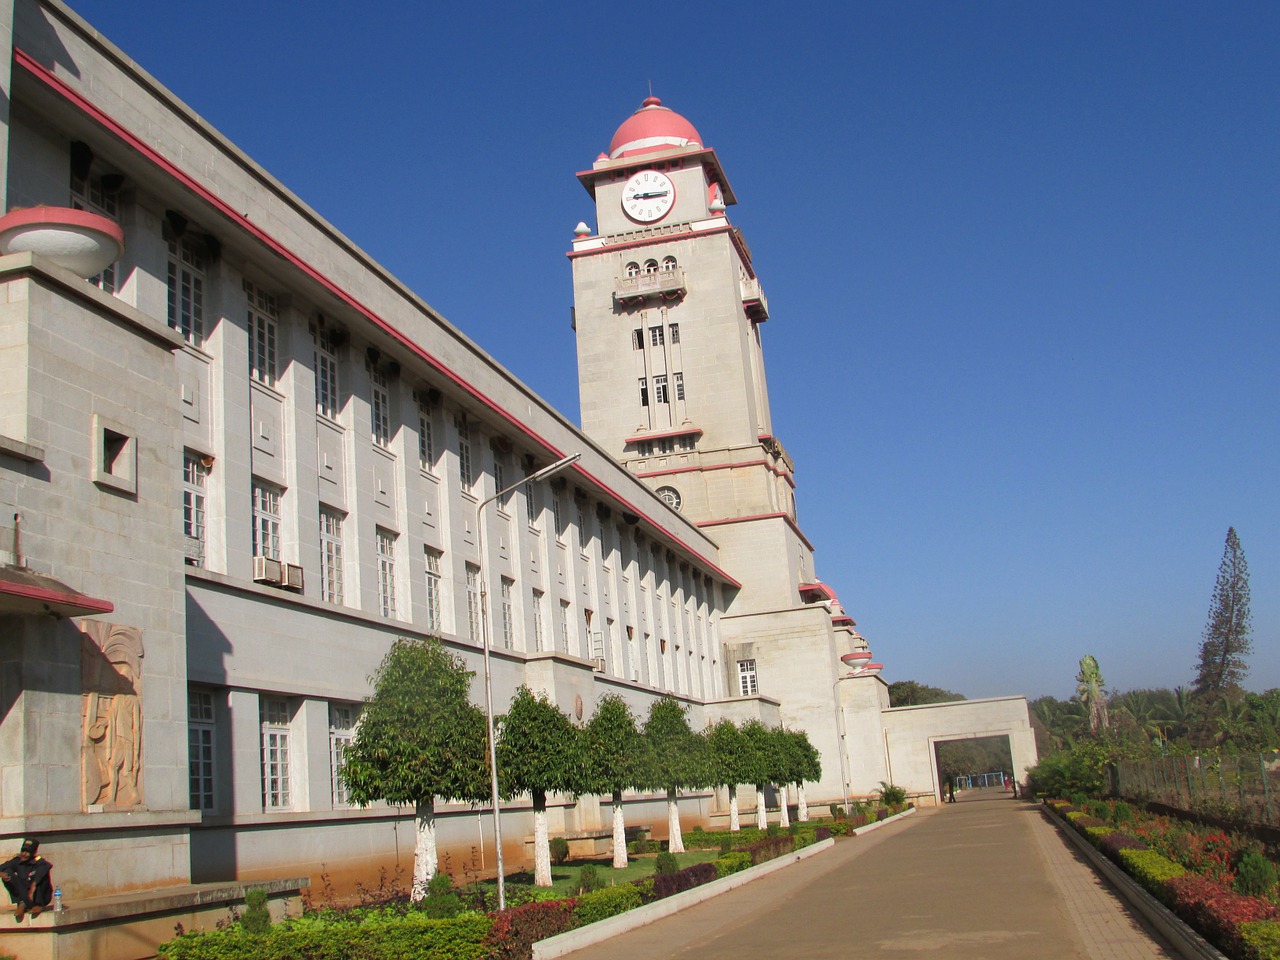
(111, 685)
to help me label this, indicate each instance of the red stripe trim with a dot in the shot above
(723, 466)
(56, 597)
(60, 87)
(763, 516)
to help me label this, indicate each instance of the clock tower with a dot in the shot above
(668, 312)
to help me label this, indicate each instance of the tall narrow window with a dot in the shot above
(386, 572)
(557, 517)
(747, 686)
(342, 732)
(426, 440)
(379, 406)
(499, 476)
(532, 509)
(466, 472)
(200, 756)
(90, 195)
(584, 536)
(564, 626)
(539, 638)
(186, 290)
(655, 336)
(679, 385)
(266, 519)
(473, 602)
(273, 714)
(660, 394)
(644, 392)
(434, 587)
(326, 366)
(508, 614)
(637, 339)
(195, 476)
(330, 555)
(262, 319)
(673, 331)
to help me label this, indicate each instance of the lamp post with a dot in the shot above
(844, 760)
(543, 474)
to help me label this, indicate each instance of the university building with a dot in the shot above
(238, 458)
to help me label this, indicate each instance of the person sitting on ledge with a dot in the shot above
(26, 877)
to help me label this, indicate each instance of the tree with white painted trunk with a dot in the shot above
(539, 752)
(802, 763)
(727, 754)
(761, 767)
(419, 739)
(615, 762)
(675, 760)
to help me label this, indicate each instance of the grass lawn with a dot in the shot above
(564, 879)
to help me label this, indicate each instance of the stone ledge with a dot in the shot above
(1188, 944)
(21, 449)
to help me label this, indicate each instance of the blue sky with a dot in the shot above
(1023, 266)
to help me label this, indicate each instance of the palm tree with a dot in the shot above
(1090, 693)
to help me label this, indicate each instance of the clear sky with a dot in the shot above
(1022, 261)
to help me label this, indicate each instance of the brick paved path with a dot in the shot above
(987, 878)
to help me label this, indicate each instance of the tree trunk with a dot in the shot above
(735, 822)
(762, 818)
(802, 805)
(619, 833)
(675, 842)
(784, 815)
(424, 847)
(541, 844)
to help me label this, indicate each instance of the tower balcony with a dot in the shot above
(667, 284)
(754, 301)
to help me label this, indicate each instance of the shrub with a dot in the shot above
(804, 836)
(840, 828)
(559, 850)
(772, 830)
(607, 902)
(769, 848)
(732, 862)
(1114, 842)
(1261, 939)
(589, 878)
(891, 795)
(1151, 869)
(1098, 808)
(1216, 910)
(1079, 799)
(823, 833)
(515, 931)
(255, 919)
(726, 844)
(1121, 813)
(883, 813)
(1255, 874)
(667, 884)
(641, 843)
(1095, 834)
(837, 811)
(665, 863)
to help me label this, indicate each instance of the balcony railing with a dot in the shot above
(754, 301)
(664, 283)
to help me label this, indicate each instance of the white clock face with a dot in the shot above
(671, 495)
(648, 196)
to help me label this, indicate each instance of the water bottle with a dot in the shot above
(57, 899)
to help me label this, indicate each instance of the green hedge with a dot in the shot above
(1151, 870)
(411, 937)
(605, 903)
(1261, 939)
(732, 862)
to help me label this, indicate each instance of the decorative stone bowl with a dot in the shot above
(84, 243)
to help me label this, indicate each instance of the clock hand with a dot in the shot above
(649, 196)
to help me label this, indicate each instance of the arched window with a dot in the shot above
(633, 269)
(651, 266)
(668, 264)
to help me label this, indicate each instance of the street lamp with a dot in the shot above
(561, 464)
(840, 730)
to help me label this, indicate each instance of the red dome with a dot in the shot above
(652, 127)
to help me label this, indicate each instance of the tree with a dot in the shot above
(762, 764)
(676, 760)
(419, 738)
(909, 693)
(726, 760)
(1226, 640)
(801, 762)
(539, 752)
(1090, 693)
(615, 762)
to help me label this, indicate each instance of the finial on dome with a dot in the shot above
(651, 101)
(581, 230)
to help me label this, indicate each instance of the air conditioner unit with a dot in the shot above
(597, 664)
(292, 577)
(267, 570)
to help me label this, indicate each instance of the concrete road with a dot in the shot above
(986, 878)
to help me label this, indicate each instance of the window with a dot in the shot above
(651, 266)
(656, 338)
(266, 519)
(556, 516)
(434, 588)
(633, 269)
(499, 476)
(747, 686)
(115, 456)
(667, 445)
(532, 509)
(262, 335)
(200, 730)
(379, 406)
(386, 572)
(637, 339)
(660, 394)
(342, 731)
(631, 654)
(679, 385)
(89, 194)
(465, 471)
(508, 617)
(583, 536)
(539, 638)
(426, 440)
(668, 264)
(186, 290)
(195, 477)
(473, 602)
(564, 625)
(273, 714)
(644, 448)
(644, 392)
(330, 555)
(326, 366)
(587, 643)
(673, 332)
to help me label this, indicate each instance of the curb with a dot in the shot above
(1185, 941)
(602, 930)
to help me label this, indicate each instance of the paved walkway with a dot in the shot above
(986, 878)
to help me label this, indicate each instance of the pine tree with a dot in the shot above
(1226, 634)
